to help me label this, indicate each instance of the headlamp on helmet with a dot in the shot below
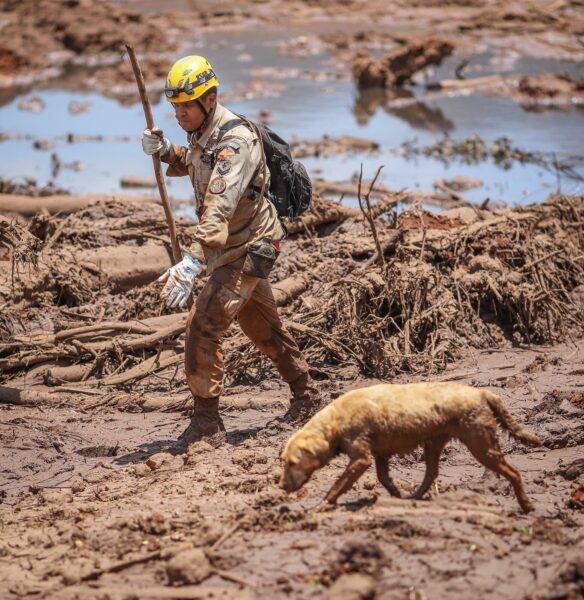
(190, 86)
(189, 78)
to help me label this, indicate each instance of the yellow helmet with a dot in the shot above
(189, 78)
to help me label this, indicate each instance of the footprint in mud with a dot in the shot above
(559, 416)
(99, 451)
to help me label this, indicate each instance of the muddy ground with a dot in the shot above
(83, 40)
(96, 503)
(95, 499)
(92, 502)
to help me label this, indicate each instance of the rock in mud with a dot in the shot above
(142, 470)
(78, 485)
(188, 568)
(400, 65)
(352, 586)
(577, 497)
(551, 85)
(70, 575)
(159, 459)
(572, 470)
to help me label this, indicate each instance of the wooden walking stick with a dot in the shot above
(176, 251)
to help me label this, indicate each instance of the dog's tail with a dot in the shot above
(506, 420)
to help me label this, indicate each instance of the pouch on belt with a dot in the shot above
(260, 259)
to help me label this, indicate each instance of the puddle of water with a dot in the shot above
(305, 109)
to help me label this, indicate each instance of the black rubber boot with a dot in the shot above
(206, 424)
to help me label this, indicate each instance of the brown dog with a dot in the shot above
(383, 420)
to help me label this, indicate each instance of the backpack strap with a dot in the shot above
(264, 166)
(232, 124)
(209, 156)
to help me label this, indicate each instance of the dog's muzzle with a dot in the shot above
(292, 480)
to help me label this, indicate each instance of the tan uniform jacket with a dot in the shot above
(231, 214)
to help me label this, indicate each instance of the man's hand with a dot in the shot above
(153, 141)
(179, 281)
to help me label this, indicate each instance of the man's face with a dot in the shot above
(189, 115)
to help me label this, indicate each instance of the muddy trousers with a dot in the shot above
(227, 295)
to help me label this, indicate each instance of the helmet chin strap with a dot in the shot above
(204, 110)
(208, 114)
(193, 135)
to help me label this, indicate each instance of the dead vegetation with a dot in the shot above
(550, 89)
(502, 152)
(401, 64)
(443, 287)
(379, 292)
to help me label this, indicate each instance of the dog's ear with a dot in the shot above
(291, 455)
(317, 446)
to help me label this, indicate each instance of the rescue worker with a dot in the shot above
(237, 240)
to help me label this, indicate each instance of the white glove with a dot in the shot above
(179, 281)
(153, 142)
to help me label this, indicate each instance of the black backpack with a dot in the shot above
(290, 187)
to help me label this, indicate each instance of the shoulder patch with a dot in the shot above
(223, 166)
(217, 185)
(228, 151)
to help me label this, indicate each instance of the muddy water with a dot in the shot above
(304, 109)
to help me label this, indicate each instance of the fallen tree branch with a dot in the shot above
(92, 349)
(365, 206)
(121, 565)
(128, 327)
(145, 368)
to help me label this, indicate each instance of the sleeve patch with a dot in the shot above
(223, 166)
(217, 185)
(226, 153)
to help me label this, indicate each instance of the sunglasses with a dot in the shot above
(190, 86)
